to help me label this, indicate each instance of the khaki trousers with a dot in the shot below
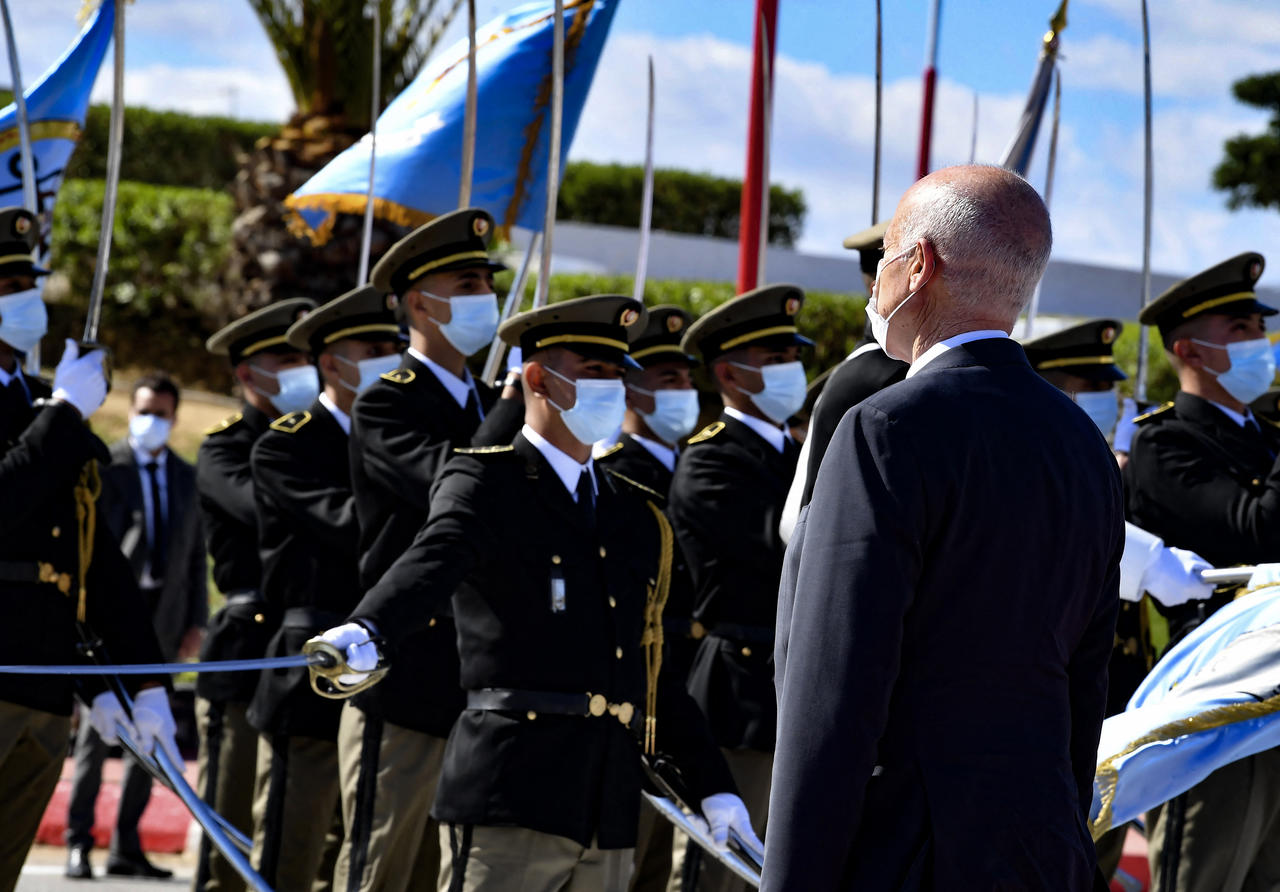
(227, 767)
(1222, 835)
(388, 775)
(752, 771)
(513, 859)
(297, 827)
(32, 746)
(652, 866)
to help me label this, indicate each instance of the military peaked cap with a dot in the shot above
(1086, 350)
(19, 238)
(869, 243)
(765, 317)
(262, 331)
(453, 241)
(1225, 289)
(595, 327)
(658, 340)
(361, 313)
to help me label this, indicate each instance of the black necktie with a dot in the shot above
(587, 497)
(1251, 426)
(472, 408)
(16, 392)
(159, 529)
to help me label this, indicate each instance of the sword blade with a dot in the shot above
(115, 140)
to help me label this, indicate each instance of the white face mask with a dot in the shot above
(1101, 407)
(299, 387)
(150, 432)
(369, 370)
(1253, 367)
(674, 414)
(784, 389)
(473, 321)
(880, 324)
(23, 319)
(597, 409)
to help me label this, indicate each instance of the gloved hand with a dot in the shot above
(1173, 576)
(724, 811)
(1125, 427)
(80, 380)
(1264, 574)
(104, 713)
(155, 725)
(357, 647)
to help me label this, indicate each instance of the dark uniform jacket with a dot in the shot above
(866, 371)
(308, 544)
(183, 599)
(502, 521)
(1199, 481)
(42, 455)
(727, 495)
(403, 430)
(950, 623)
(241, 629)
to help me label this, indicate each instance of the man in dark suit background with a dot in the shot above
(149, 502)
(950, 598)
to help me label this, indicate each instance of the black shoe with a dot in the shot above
(78, 867)
(136, 866)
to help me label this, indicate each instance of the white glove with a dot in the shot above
(1173, 578)
(725, 811)
(358, 648)
(1264, 574)
(104, 713)
(80, 380)
(154, 721)
(1125, 427)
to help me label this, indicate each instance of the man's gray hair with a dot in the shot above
(991, 231)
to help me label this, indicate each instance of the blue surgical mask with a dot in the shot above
(597, 408)
(473, 321)
(784, 389)
(150, 432)
(1253, 368)
(1101, 407)
(299, 387)
(674, 414)
(880, 324)
(369, 370)
(23, 319)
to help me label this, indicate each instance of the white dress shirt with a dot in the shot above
(1238, 418)
(6, 377)
(773, 434)
(661, 451)
(567, 468)
(459, 388)
(942, 347)
(343, 419)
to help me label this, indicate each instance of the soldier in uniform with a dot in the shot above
(1202, 475)
(725, 503)
(662, 409)
(865, 371)
(555, 567)
(391, 738)
(259, 354)
(309, 544)
(63, 578)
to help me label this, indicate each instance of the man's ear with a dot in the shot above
(535, 378)
(724, 374)
(242, 373)
(922, 271)
(1187, 352)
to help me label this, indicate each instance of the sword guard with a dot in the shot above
(328, 664)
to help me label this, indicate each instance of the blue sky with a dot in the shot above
(211, 56)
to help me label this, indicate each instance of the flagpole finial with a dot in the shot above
(1058, 23)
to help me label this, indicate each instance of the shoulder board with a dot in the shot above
(291, 423)
(483, 450)
(707, 432)
(224, 424)
(1144, 418)
(639, 486)
(399, 376)
(610, 451)
(1266, 420)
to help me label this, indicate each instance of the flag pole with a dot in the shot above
(469, 121)
(875, 166)
(115, 141)
(753, 183)
(1051, 167)
(366, 238)
(1140, 380)
(509, 307)
(930, 82)
(553, 155)
(973, 133)
(646, 200)
(766, 37)
(30, 200)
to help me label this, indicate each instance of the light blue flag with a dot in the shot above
(56, 108)
(419, 164)
(1213, 699)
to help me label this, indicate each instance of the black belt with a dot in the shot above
(553, 703)
(34, 572)
(684, 628)
(310, 618)
(743, 634)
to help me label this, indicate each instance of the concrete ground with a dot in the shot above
(43, 873)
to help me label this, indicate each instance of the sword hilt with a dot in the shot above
(86, 347)
(327, 664)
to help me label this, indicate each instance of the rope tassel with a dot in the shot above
(86, 494)
(652, 639)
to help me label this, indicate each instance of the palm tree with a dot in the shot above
(325, 48)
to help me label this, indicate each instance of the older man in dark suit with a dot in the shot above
(951, 594)
(149, 502)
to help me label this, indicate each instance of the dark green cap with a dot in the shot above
(1225, 290)
(262, 331)
(765, 317)
(362, 313)
(453, 241)
(1085, 350)
(595, 327)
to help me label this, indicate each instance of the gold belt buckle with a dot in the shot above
(50, 575)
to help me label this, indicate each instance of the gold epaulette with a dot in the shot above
(483, 450)
(1147, 416)
(291, 423)
(610, 451)
(707, 432)
(636, 484)
(399, 376)
(224, 424)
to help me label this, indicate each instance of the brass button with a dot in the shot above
(431, 623)
(55, 532)
(597, 705)
(626, 712)
(531, 715)
(603, 553)
(613, 602)
(555, 558)
(259, 618)
(697, 630)
(746, 651)
(1257, 481)
(618, 653)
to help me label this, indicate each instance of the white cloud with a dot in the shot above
(251, 93)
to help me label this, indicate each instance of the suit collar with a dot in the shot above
(989, 352)
(552, 490)
(254, 419)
